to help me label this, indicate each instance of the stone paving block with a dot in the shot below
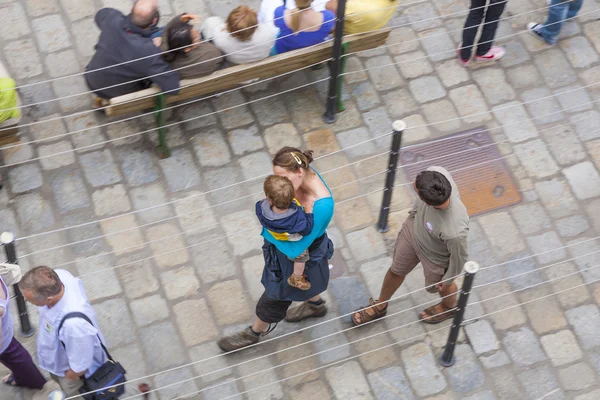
(99, 285)
(427, 88)
(443, 115)
(515, 118)
(229, 302)
(168, 245)
(306, 109)
(194, 322)
(231, 112)
(584, 180)
(350, 294)
(572, 297)
(422, 370)
(555, 68)
(213, 260)
(44, 244)
(577, 377)
(592, 214)
(35, 213)
(191, 115)
(502, 233)
(138, 279)
(208, 363)
(513, 316)
(65, 155)
(506, 385)
(77, 9)
(354, 214)
(585, 320)
(451, 73)
(351, 118)
(124, 236)
(348, 381)
(51, 33)
(556, 197)
(150, 309)
(180, 390)
(291, 357)
(366, 244)
(227, 388)
(365, 95)
(587, 255)
(417, 130)
(37, 8)
(522, 270)
(467, 375)
(180, 170)
(494, 86)
(111, 200)
(524, 76)
(572, 226)
(116, 321)
(310, 391)
(564, 144)
(379, 124)
(69, 191)
(485, 395)
(437, 44)
(561, 347)
(590, 76)
(150, 196)
(542, 106)
(423, 17)
(548, 243)
(281, 135)
(261, 385)
(399, 103)
(127, 130)
(586, 125)
(414, 65)
(333, 347)
(62, 64)
(482, 337)
(470, 104)
(100, 168)
(162, 346)
(138, 166)
(589, 396)
(545, 316)
(181, 282)
(531, 218)
(72, 92)
(211, 148)
(523, 347)
(373, 273)
(403, 40)
(545, 383)
(14, 21)
(223, 189)
(574, 98)
(579, 51)
(238, 228)
(356, 68)
(25, 177)
(255, 164)
(245, 140)
(498, 359)
(390, 383)
(384, 75)
(195, 213)
(269, 111)
(87, 134)
(516, 53)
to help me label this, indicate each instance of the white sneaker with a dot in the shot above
(534, 29)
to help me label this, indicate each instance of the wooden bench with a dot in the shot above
(231, 77)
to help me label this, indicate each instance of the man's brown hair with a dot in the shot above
(279, 191)
(242, 23)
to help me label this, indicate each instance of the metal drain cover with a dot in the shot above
(484, 181)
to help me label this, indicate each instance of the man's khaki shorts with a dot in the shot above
(407, 255)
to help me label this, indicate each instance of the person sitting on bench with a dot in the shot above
(126, 55)
(365, 15)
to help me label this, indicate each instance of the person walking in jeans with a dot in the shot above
(558, 11)
(489, 15)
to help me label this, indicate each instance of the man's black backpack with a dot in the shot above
(108, 382)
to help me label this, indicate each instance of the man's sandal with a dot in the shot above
(434, 317)
(365, 317)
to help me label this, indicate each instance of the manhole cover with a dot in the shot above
(484, 181)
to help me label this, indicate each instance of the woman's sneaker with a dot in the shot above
(495, 53)
(461, 62)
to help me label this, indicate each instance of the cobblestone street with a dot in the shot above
(169, 281)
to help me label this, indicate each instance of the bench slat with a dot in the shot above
(231, 77)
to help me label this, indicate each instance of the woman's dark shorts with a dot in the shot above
(271, 311)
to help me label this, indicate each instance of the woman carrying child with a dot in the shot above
(273, 305)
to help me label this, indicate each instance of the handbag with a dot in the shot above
(108, 382)
(11, 273)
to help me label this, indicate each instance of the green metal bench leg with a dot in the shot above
(159, 117)
(340, 101)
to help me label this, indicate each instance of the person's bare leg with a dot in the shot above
(450, 301)
(259, 326)
(391, 283)
(315, 299)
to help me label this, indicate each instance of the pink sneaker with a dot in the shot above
(495, 53)
(463, 63)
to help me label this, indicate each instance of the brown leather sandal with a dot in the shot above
(365, 317)
(435, 317)
(299, 282)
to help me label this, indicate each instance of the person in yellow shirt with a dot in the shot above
(365, 15)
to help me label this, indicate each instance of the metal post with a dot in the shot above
(447, 359)
(330, 114)
(8, 240)
(384, 213)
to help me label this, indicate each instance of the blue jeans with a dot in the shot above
(559, 11)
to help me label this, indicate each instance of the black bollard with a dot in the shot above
(336, 61)
(448, 359)
(382, 224)
(8, 240)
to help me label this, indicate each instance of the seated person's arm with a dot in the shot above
(105, 15)
(166, 78)
(331, 6)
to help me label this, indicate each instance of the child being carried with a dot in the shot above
(283, 216)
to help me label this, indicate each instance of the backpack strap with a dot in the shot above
(81, 315)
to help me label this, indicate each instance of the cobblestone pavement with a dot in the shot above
(159, 311)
